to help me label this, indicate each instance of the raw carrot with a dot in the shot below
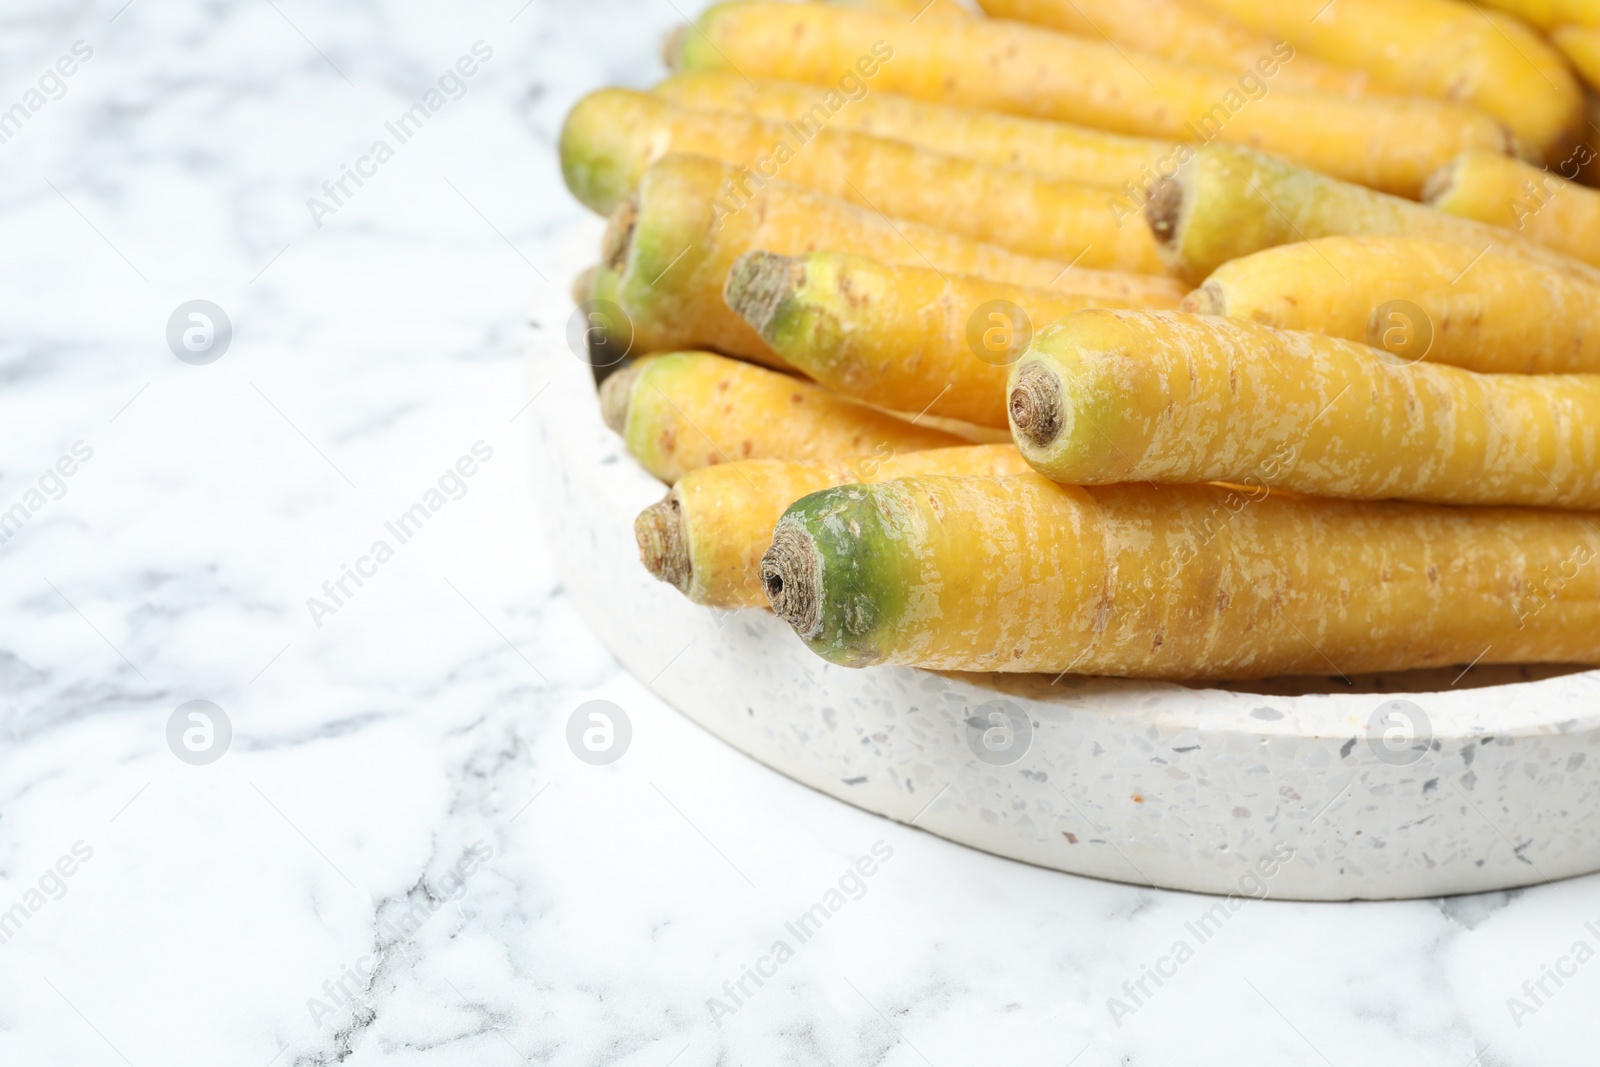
(681, 411)
(1193, 582)
(1161, 396)
(1180, 31)
(1226, 202)
(913, 9)
(613, 135)
(1437, 48)
(1416, 299)
(670, 246)
(1581, 45)
(900, 337)
(1393, 143)
(1054, 149)
(707, 535)
(1533, 201)
(1549, 14)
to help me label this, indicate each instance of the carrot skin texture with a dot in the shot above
(613, 135)
(1535, 203)
(1183, 33)
(1483, 311)
(1226, 202)
(1194, 582)
(1392, 143)
(670, 254)
(687, 410)
(901, 337)
(1054, 149)
(728, 511)
(1439, 49)
(1174, 398)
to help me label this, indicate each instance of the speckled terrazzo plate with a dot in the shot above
(1397, 786)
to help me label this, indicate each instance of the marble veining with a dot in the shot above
(399, 859)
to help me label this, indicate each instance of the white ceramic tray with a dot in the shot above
(1400, 786)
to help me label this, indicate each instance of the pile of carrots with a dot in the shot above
(1193, 339)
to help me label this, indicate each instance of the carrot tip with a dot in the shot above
(672, 46)
(1035, 405)
(1162, 211)
(1209, 299)
(758, 284)
(663, 548)
(618, 238)
(615, 393)
(791, 574)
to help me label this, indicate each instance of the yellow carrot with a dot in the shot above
(613, 135)
(1549, 14)
(1054, 149)
(914, 9)
(1416, 299)
(1189, 582)
(1391, 142)
(682, 411)
(1227, 202)
(668, 251)
(1533, 201)
(1181, 31)
(707, 535)
(1161, 396)
(900, 337)
(1581, 45)
(1437, 48)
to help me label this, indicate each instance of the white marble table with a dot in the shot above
(294, 901)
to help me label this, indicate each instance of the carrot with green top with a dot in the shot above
(1392, 143)
(1436, 48)
(1534, 202)
(613, 135)
(669, 247)
(1190, 582)
(1166, 397)
(1226, 202)
(681, 411)
(706, 537)
(1416, 299)
(1183, 32)
(1054, 149)
(901, 337)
